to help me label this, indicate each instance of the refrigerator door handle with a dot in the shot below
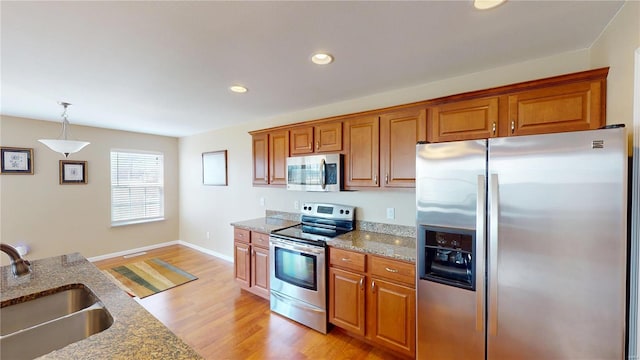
(493, 255)
(481, 210)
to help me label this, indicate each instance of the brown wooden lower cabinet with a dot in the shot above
(373, 299)
(251, 261)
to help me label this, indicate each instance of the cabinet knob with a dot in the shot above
(361, 283)
(373, 286)
(375, 179)
(317, 145)
(513, 126)
(386, 178)
(493, 128)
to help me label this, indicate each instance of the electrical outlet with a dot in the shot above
(261, 201)
(391, 213)
(296, 205)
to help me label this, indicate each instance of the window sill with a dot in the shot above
(134, 222)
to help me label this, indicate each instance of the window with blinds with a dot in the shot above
(137, 187)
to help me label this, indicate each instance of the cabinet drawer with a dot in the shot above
(393, 270)
(241, 235)
(347, 259)
(260, 239)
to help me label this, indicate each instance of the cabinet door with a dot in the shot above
(463, 120)
(260, 271)
(328, 137)
(393, 314)
(571, 107)
(301, 141)
(242, 264)
(347, 300)
(399, 133)
(278, 153)
(260, 159)
(363, 137)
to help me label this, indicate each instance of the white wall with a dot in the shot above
(615, 48)
(56, 219)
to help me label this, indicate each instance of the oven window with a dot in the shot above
(296, 268)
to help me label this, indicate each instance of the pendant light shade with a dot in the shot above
(62, 144)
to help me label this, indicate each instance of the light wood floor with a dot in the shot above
(220, 321)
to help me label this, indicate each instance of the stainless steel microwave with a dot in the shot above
(315, 173)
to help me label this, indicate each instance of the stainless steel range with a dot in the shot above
(298, 263)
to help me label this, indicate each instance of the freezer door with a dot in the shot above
(450, 193)
(557, 246)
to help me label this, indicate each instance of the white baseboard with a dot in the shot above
(206, 251)
(161, 245)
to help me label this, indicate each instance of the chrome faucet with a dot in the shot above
(19, 266)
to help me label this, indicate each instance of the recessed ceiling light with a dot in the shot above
(322, 58)
(238, 89)
(486, 4)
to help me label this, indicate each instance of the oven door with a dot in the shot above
(298, 271)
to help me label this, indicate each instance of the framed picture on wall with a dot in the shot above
(16, 160)
(214, 168)
(73, 172)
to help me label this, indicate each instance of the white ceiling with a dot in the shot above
(165, 67)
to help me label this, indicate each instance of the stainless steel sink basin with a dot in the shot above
(42, 308)
(79, 314)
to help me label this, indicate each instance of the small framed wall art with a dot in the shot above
(214, 168)
(16, 160)
(73, 172)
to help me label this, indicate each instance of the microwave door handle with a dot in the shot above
(323, 173)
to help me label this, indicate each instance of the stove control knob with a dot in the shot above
(347, 212)
(341, 211)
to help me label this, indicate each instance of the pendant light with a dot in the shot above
(62, 144)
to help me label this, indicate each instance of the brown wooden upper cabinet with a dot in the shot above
(570, 107)
(270, 152)
(362, 136)
(399, 133)
(463, 120)
(563, 103)
(260, 159)
(319, 138)
(278, 153)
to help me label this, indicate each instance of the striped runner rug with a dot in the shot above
(148, 277)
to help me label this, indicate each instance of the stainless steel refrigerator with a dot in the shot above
(522, 247)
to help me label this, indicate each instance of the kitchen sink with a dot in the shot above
(42, 308)
(36, 327)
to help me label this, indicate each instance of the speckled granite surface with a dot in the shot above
(264, 224)
(135, 333)
(392, 246)
(393, 241)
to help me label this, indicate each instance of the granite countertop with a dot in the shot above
(388, 245)
(393, 241)
(134, 334)
(265, 224)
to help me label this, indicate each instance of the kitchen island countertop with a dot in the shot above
(134, 334)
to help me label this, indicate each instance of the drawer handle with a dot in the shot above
(346, 259)
(391, 270)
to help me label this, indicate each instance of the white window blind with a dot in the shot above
(137, 187)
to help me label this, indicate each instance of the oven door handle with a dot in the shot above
(294, 303)
(296, 247)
